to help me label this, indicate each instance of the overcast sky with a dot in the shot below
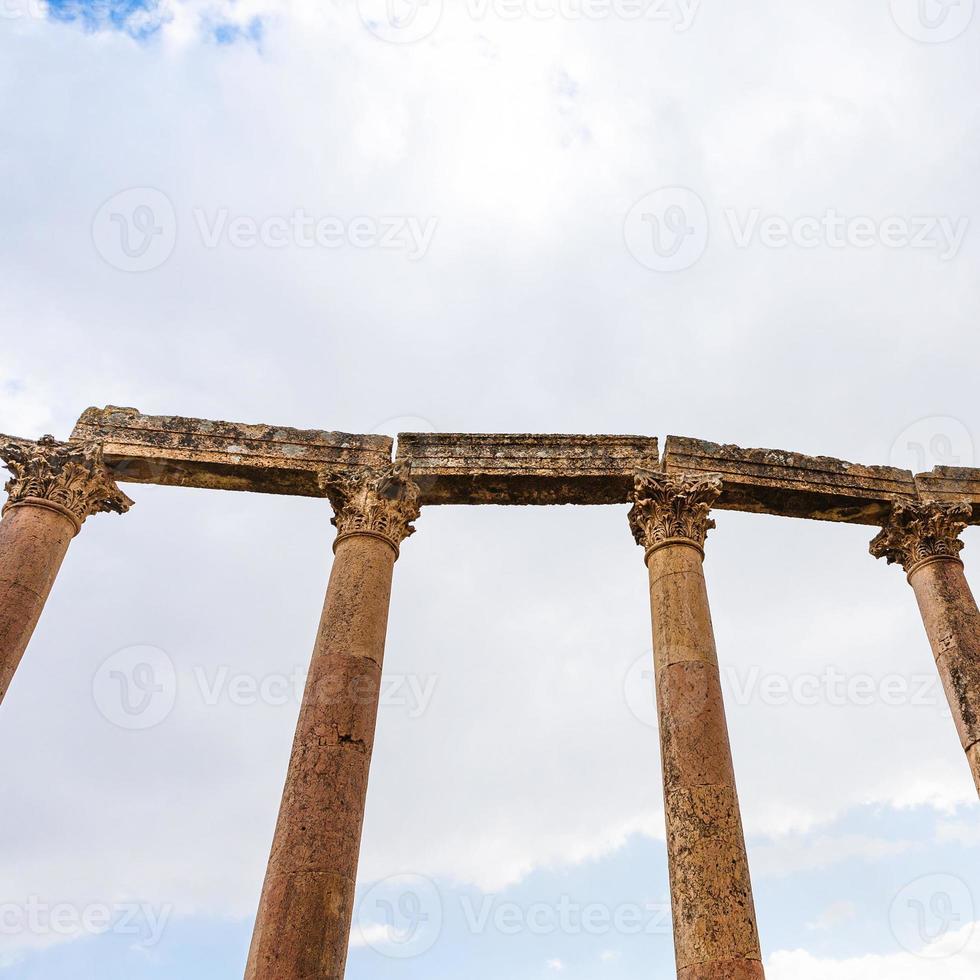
(750, 223)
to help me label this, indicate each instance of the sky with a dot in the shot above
(746, 223)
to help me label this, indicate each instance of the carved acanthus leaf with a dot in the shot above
(71, 474)
(672, 505)
(916, 532)
(377, 501)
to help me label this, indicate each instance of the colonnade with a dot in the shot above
(307, 901)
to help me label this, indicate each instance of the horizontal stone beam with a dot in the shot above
(177, 451)
(771, 481)
(953, 485)
(476, 468)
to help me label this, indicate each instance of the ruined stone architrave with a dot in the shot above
(304, 915)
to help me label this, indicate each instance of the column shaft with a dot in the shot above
(715, 932)
(33, 544)
(305, 912)
(304, 917)
(54, 487)
(952, 622)
(924, 538)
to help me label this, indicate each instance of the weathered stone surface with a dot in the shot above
(915, 533)
(952, 484)
(772, 481)
(715, 931)
(952, 623)
(178, 451)
(383, 502)
(33, 544)
(53, 489)
(70, 476)
(474, 468)
(303, 922)
(723, 970)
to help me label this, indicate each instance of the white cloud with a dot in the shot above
(933, 963)
(834, 915)
(527, 314)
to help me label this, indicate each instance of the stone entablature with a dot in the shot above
(177, 451)
(479, 468)
(773, 481)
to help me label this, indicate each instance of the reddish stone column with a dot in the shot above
(715, 932)
(54, 487)
(924, 539)
(304, 917)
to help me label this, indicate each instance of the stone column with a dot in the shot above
(715, 932)
(924, 540)
(304, 917)
(55, 486)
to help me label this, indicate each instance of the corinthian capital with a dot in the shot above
(916, 533)
(71, 476)
(672, 507)
(379, 502)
